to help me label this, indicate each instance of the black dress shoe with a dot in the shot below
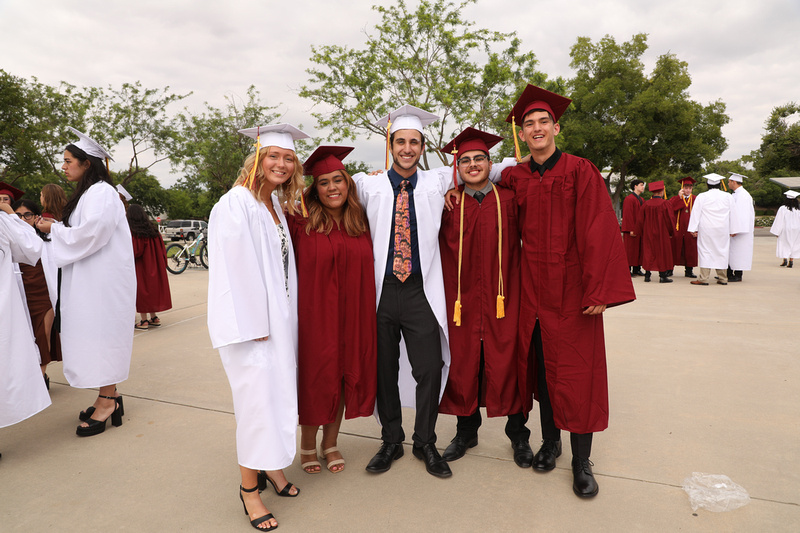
(638, 272)
(665, 280)
(647, 277)
(390, 451)
(545, 459)
(458, 447)
(583, 482)
(434, 464)
(523, 455)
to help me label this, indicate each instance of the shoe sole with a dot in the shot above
(585, 496)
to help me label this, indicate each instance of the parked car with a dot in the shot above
(184, 229)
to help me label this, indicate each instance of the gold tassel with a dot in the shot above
(724, 188)
(457, 313)
(251, 179)
(455, 170)
(303, 205)
(388, 139)
(457, 310)
(516, 141)
(501, 308)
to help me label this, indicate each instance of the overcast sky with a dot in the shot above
(740, 51)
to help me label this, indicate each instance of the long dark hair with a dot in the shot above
(31, 206)
(94, 173)
(354, 220)
(791, 203)
(140, 224)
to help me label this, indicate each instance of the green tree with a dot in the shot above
(432, 58)
(779, 154)
(630, 123)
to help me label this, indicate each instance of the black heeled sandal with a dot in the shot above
(263, 478)
(83, 416)
(260, 520)
(96, 427)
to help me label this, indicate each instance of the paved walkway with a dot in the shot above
(701, 379)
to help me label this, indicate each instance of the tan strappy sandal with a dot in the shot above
(335, 462)
(309, 464)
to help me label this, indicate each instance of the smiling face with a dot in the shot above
(73, 168)
(278, 166)
(539, 133)
(332, 192)
(474, 173)
(406, 151)
(687, 189)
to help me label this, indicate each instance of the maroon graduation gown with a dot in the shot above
(336, 323)
(573, 257)
(655, 225)
(684, 243)
(152, 281)
(505, 387)
(630, 214)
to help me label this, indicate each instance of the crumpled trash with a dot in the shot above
(714, 492)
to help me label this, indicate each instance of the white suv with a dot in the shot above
(184, 229)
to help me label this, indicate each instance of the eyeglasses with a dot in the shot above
(469, 160)
(26, 216)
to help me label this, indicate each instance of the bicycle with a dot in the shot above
(179, 256)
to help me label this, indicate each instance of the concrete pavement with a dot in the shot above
(701, 379)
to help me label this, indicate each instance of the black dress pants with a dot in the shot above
(467, 426)
(581, 443)
(403, 308)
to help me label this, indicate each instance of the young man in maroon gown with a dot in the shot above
(480, 247)
(573, 268)
(683, 242)
(630, 214)
(656, 228)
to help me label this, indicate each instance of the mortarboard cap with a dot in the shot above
(737, 177)
(124, 193)
(326, 159)
(471, 139)
(89, 145)
(13, 192)
(533, 98)
(655, 186)
(792, 194)
(687, 179)
(407, 117)
(713, 178)
(280, 135)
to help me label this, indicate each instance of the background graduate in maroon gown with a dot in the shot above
(573, 268)
(630, 214)
(486, 366)
(152, 281)
(337, 352)
(655, 225)
(684, 243)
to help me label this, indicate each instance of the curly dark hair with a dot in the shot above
(140, 223)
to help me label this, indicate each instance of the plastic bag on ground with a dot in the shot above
(714, 492)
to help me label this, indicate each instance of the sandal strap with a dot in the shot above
(248, 490)
(260, 520)
(330, 450)
(308, 452)
(108, 397)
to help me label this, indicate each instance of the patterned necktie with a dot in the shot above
(401, 264)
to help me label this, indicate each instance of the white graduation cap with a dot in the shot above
(280, 135)
(792, 194)
(125, 194)
(407, 117)
(737, 177)
(713, 178)
(89, 145)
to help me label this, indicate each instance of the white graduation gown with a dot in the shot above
(22, 389)
(786, 227)
(377, 197)
(247, 300)
(711, 220)
(743, 219)
(98, 289)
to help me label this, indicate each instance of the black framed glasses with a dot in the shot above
(26, 216)
(470, 160)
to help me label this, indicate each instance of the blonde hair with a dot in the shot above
(354, 220)
(288, 192)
